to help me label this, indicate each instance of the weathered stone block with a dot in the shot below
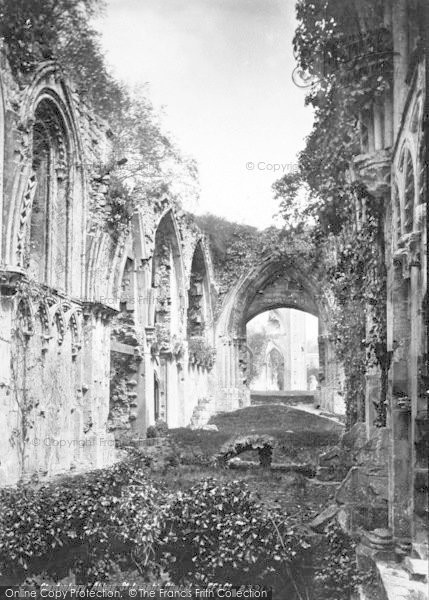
(325, 517)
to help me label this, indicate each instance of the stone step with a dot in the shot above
(421, 550)
(289, 398)
(417, 568)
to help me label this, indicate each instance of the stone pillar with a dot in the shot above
(137, 389)
(99, 448)
(400, 59)
(400, 508)
(163, 389)
(378, 127)
(149, 379)
(371, 140)
(418, 495)
(400, 473)
(231, 363)
(10, 468)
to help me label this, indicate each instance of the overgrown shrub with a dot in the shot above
(151, 432)
(201, 353)
(115, 520)
(160, 429)
(218, 533)
(336, 573)
(39, 526)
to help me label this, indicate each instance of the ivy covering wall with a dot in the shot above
(344, 55)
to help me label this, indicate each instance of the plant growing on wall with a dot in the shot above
(201, 353)
(350, 69)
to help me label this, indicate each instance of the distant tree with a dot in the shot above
(154, 164)
(38, 30)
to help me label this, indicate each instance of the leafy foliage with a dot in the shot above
(220, 534)
(237, 249)
(95, 523)
(201, 353)
(160, 429)
(346, 54)
(336, 573)
(88, 511)
(40, 30)
(264, 445)
(144, 158)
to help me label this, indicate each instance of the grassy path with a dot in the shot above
(301, 436)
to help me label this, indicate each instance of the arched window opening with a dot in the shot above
(46, 248)
(198, 297)
(167, 280)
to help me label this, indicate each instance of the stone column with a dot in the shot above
(419, 471)
(137, 391)
(400, 59)
(400, 473)
(99, 448)
(10, 468)
(400, 508)
(378, 127)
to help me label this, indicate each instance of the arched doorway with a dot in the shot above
(285, 355)
(200, 342)
(273, 285)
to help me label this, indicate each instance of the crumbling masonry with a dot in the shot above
(103, 331)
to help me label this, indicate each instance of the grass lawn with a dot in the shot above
(301, 435)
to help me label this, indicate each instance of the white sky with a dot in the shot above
(222, 70)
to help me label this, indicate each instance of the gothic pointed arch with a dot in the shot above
(409, 192)
(168, 279)
(272, 346)
(274, 283)
(44, 233)
(200, 312)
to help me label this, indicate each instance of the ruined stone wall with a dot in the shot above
(407, 323)
(155, 295)
(53, 393)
